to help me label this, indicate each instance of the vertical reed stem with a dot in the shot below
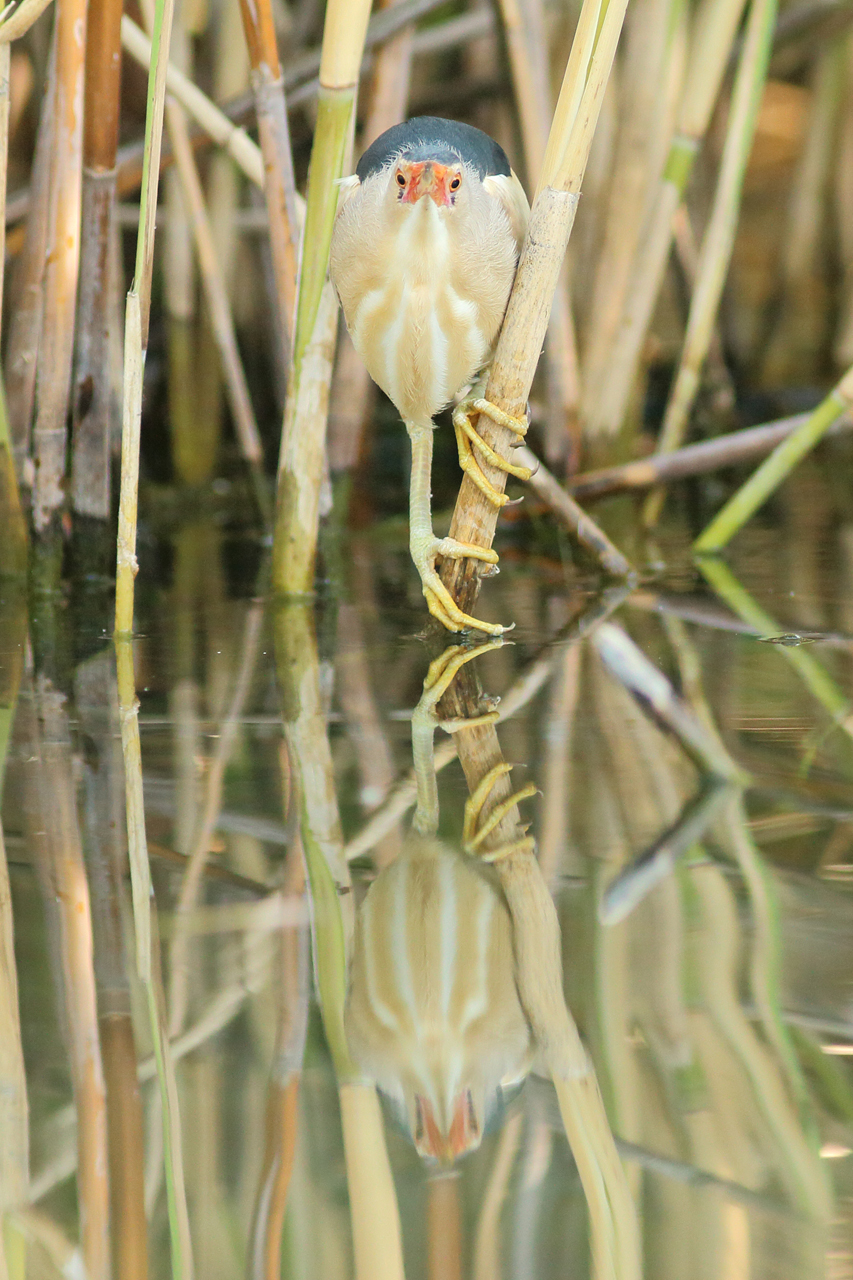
(93, 397)
(56, 348)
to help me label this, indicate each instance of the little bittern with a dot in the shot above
(424, 253)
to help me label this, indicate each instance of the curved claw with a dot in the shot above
(467, 439)
(473, 834)
(443, 607)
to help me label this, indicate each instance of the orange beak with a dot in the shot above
(425, 178)
(463, 1135)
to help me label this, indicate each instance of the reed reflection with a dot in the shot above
(433, 1013)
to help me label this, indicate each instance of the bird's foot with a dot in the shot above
(439, 600)
(474, 833)
(467, 440)
(443, 671)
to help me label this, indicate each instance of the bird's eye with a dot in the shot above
(456, 184)
(401, 179)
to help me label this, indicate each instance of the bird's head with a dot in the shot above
(414, 179)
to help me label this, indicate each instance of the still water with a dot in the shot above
(686, 1113)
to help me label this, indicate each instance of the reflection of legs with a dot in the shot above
(467, 440)
(425, 546)
(440, 676)
(474, 835)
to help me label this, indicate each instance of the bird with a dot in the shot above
(424, 251)
(433, 1013)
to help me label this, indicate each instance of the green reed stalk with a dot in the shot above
(377, 1244)
(304, 431)
(719, 236)
(136, 321)
(775, 469)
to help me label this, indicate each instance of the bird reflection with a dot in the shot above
(433, 1012)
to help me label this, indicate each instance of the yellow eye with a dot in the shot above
(456, 184)
(401, 180)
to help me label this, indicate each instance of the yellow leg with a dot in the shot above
(467, 440)
(426, 547)
(441, 674)
(474, 834)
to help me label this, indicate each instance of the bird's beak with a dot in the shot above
(426, 178)
(463, 1134)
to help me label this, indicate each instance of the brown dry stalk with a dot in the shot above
(102, 814)
(28, 284)
(56, 347)
(524, 24)
(93, 396)
(279, 181)
(54, 834)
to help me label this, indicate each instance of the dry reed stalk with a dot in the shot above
(630, 666)
(92, 406)
(364, 723)
(51, 813)
(14, 1111)
(693, 460)
(487, 1240)
(279, 180)
(229, 729)
(16, 20)
(176, 1195)
(581, 526)
(718, 241)
(353, 390)
(562, 705)
(282, 1111)
(843, 345)
(56, 344)
(28, 285)
(216, 293)
(644, 125)
(714, 28)
(797, 312)
(102, 810)
(444, 1226)
(245, 153)
(538, 969)
(304, 430)
(799, 1167)
(520, 342)
(524, 26)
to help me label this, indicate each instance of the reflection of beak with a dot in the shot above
(426, 178)
(462, 1136)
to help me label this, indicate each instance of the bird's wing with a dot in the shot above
(508, 190)
(347, 188)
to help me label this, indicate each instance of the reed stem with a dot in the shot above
(774, 470)
(718, 240)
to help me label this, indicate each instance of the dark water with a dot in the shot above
(718, 1013)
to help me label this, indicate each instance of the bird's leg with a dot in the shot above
(441, 674)
(425, 546)
(467, 440)
(473, 834)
